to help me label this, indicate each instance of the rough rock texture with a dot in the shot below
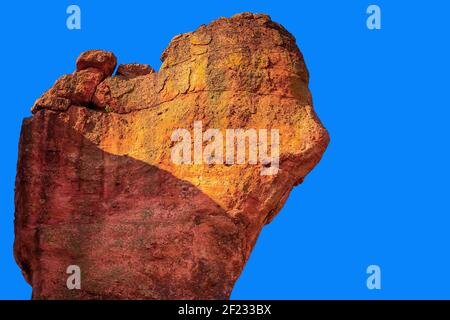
(102, 60)
(133, 70)
(96, 186)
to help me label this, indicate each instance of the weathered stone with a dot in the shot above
(99, 59)
(98, 188)
(71, 89)
(48, 101)
(133, 70)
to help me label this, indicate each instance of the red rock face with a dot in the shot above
(98, 59)
(96, 186)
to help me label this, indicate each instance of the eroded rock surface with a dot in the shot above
(133, 70)
(96, 186)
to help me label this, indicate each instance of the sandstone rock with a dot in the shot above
(96, 186)
(52, 102)
(99, 59)
(133, 70)
(77, 89)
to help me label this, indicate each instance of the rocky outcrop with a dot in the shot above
(96, 185)
(132, 70)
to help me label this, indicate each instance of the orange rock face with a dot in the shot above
(132, 70)
(97, 186)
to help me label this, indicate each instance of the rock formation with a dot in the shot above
(96, 186)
